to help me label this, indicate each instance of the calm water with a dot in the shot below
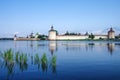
(75, 60)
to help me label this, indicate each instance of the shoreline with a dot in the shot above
(37, 39)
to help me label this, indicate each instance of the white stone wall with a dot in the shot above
(65, 37)
(53, 36)
(74, 37)
(101, 36)
(26, 39)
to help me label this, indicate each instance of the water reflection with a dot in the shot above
(37, 60)
(31, 44)
(44, 62)
(91, 45)
(72, 46)
(111, 47)
(53, 64)
(23, 61)
(52, 46)
(28, 56)
(14, 61)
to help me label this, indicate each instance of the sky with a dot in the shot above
(22, 17)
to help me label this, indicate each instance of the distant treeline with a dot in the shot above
(6, 38)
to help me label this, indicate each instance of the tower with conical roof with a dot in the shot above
(52, 34)
(15, 37)
(111, 34)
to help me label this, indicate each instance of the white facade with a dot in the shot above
(111, 34)
(101, 36)
(70, 37)
(54, 36)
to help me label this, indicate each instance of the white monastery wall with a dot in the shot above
(101, 36)
(68, 37)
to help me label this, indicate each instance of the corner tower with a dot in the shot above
(111, 34)
(52, 34)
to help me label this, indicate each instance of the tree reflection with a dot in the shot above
(91, 45)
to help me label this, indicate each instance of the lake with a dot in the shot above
(60, 60)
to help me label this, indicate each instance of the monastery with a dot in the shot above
(54, 36)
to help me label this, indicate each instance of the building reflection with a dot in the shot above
(110, 47)
(53, 46)
(71, 46)
(68, 46)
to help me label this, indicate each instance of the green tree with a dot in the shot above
(67, 33)
(91, 36)
(42, 37)
(56, 32)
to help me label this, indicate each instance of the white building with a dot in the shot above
(54, 36)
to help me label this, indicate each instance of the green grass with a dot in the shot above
(44, 59)
(8, 55)
(23, 58)
(37, 59)
(53, 61)
(17, 56)
(12, 59)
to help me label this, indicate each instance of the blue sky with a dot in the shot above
(26, 16)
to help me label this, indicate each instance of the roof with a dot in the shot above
(52, 29)
(111, 30)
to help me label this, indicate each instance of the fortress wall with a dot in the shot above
(101, 36)
(54, 36)
(26, 39)
(65, 37)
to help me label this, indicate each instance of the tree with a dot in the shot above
(42, 37)
(56, 32)
(67, 33)
(37, 34)
(31, 35)
(91, 36)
